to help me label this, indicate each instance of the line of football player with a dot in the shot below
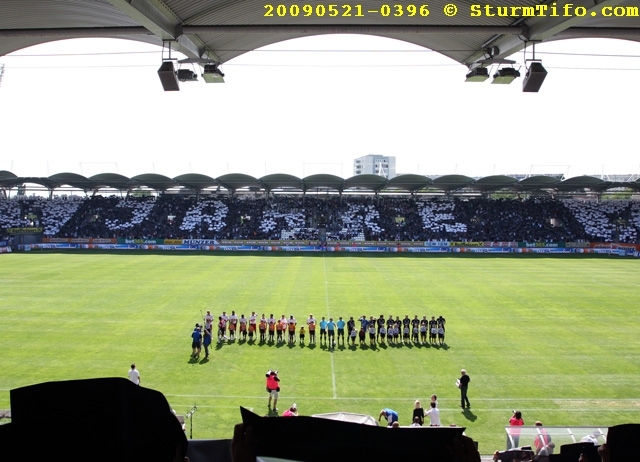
(288, 330)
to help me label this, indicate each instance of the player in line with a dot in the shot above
(396, 332)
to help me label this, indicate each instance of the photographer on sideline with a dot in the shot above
(273, 388)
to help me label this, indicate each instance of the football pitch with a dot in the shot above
(556, 337)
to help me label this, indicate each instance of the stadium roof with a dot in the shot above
(154, 181)
(494, 182)
(451, 182)
(283, 182)
(221, 30)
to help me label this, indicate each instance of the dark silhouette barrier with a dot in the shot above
(313, 439)
(108, 419)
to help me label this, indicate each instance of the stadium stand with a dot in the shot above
(10, 214)
(57, 212)
(204, 217)
(605, 221)
(437, 218)
(346, 218)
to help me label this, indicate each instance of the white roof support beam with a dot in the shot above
(622, 33)
(349, 29)
(75, 32)
(155, 16)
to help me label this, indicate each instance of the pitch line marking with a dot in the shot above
(448, 409)
(413, 398)
(203, 406)
(333, 379)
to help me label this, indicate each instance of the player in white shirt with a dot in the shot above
(311, 322)
(253, 323)
(271, 322)
(423, 334)
(208, 321)
(291, 329)
(134, 375)
(281, 327)
(352, 336)
(434, 415)
(243, 327)
(233, 324)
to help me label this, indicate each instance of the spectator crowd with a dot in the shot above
(325, 217)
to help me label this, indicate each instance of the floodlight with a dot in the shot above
(212, 74)
(505, 75)
(479, 74)
(534, 77)
(187, 75)
(168, 76)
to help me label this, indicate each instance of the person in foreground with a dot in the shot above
(313, 439)
(621, 444)
(114, 421)
(291, 412)
(390, 415)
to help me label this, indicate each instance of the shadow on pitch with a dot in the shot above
(470, 416)
(194, 359)
(443, 346)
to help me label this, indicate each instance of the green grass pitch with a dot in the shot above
(556, 337)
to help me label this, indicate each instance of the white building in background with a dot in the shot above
(375, 164)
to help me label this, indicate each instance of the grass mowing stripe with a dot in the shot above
(326, 291)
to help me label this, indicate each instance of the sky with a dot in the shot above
(313, 105)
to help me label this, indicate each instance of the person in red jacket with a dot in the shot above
(291, 412)
(542, 438)
(273, 388)
(513, 438)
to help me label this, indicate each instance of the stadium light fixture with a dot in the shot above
(534, 77)
(536, 73)
(212, 74)
(187, 75)
(480, 69)
(168, 76)
(479, 74)
(167, 72)
(505, 75)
